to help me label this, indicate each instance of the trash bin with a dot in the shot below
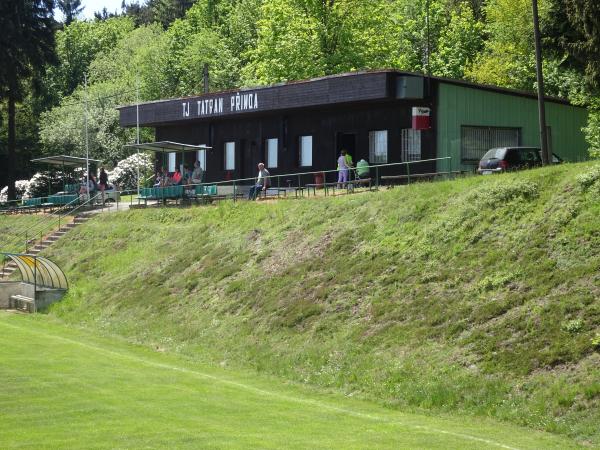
(319, 179)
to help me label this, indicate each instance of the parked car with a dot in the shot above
(111, 194)
(502, 159)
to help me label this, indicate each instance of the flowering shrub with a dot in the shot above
(43, 182)
(21, 188)
(124, 176)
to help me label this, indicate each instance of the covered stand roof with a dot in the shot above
(167, 147)
(64, 161)
(39, 271)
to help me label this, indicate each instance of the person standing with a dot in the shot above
(197, 174)
(343, 169)
(262, 182)
(103, 184)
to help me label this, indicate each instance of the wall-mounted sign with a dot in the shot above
(214, 106)
(421, 118)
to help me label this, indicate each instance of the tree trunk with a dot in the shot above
(12, 193)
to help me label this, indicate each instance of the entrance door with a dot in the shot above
(250, 158)
(346, 141)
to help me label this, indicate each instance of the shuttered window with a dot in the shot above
(476, 141)
(229, 155)
(172, 161)
(201, 158)
(378, 147)
(306, 151)
(411, 145)
(272, 145)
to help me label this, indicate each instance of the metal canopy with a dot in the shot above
(39, 271)
(167, 147)
(64, 161)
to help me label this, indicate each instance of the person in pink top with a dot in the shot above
(176, 178)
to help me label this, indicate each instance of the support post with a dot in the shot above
(546, 157)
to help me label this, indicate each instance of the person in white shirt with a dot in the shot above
(262, 182)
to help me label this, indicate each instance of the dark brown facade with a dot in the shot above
(337, 112)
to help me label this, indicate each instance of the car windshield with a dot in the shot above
(495, 153)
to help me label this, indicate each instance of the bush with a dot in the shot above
(21, 188)
(43, 182)
(590, 179)
(124, 176)
(491, 195)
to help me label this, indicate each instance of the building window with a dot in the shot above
(306, 144)
(378, 147)
(411, 145)
(476, 141)
(201, 158)
(272, 145)
(172, 161)
(229, 155)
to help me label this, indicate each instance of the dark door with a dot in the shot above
(346, 141)
(249, 158)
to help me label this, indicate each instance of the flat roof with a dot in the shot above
(167, 147)
(64, 160)
(346, 88)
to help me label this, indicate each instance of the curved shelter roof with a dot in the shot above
(39, 271)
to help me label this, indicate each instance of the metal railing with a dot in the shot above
(44, 225)
(295, 180)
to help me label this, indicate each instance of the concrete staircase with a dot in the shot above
(45, 242)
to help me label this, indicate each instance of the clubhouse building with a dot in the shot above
(382, 116)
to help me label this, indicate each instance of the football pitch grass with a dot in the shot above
(66, 388)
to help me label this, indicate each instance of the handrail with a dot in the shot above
(43, 225)
(295, 174)
(237, 182)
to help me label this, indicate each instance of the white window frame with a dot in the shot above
(411, 145)
(201, 158)
(306, 151)
(272, 145)
(378, 140)
(229, 155)
(172, 162)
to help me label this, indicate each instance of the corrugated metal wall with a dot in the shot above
(464, 106)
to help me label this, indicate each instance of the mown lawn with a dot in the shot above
(68, 389)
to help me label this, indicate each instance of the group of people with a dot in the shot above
(90, 184)
(345, 164)
(188, 176)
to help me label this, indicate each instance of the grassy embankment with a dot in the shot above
(15, 228)
(478, 296)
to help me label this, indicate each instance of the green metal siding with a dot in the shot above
(458, 106)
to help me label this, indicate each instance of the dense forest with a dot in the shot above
(157, 49)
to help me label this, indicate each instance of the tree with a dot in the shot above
(78, 44)
(26, 46)
(70, 9)
(576, 29)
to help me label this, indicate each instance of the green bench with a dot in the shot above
(29, 204)
(73, 188)
(61, 200)
(205, 189)
(160, 193)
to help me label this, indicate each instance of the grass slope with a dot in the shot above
(478, 296)
(103, 393)
(14, 228)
